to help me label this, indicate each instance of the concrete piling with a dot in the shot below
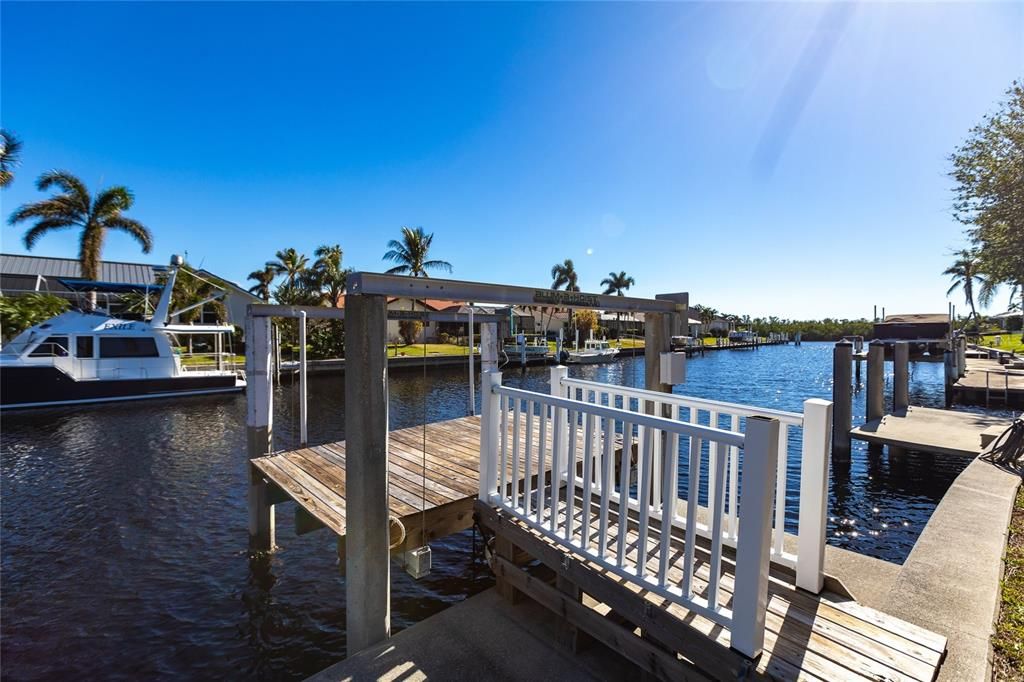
(901, 376)
(842, 398)
(876, 381)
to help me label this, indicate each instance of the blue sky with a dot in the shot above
(771, 159)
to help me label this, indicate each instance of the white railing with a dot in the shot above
(808, 481)
(524, 434)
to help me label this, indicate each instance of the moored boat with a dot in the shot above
(86, 356)
(594, 351)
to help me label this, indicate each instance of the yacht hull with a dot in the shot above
(45, 386)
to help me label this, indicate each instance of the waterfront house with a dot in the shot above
(21, 275)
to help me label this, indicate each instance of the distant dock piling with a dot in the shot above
(876, 381)
(901, 376)
(842, 399)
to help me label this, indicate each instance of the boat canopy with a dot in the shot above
(108, 287)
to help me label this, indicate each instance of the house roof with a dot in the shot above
(114, 272)
(110, 271)
(917, 318)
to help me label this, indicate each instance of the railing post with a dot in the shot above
(753, 546)
(814, 464)
(489, 420)
(560, 432)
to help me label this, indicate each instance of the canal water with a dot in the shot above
(124, 526)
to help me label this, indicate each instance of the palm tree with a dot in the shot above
(10, 153)
(563, 276)
(289, 263)
(411, 254)
(74, 207)
(327, 278)
(263, 278)
(617, 284)
(965, 274)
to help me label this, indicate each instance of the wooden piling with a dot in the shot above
(367, 565)
(901, 376)
(842, 399)
(876, 381)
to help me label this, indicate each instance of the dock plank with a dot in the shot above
(808, 636)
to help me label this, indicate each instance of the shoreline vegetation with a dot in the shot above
(1008, 639)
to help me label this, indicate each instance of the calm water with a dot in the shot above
(124, 528)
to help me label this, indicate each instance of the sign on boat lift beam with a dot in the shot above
(454, 290)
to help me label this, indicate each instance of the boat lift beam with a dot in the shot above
(315, 312)
(454, 290)
(368, 618)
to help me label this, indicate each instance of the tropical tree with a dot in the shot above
(290, 263)
(18, 313)
(263, 278)
(327, 278)
(10, 156)
(965, 275)
(75, 207)
(411, 254)
(617, 284)
(988, 169)
(563, 276)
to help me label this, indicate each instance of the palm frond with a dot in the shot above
(42, 227)
(71, 185)
(112, 201)
(132, 227)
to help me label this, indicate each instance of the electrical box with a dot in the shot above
(673, 368)
(417, 562)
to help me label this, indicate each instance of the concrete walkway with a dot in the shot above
(482, 638)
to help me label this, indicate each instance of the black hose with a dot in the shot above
(1008, 448)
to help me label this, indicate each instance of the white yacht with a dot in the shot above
(594, 351)
(84, 356)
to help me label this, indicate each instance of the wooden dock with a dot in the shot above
(828, 636)
(814, 637)
(429, 502)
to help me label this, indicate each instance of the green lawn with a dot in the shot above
(1010, 342)
(191, 361)
(416, 350)
(1008, 640)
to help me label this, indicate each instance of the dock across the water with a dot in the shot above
(930, 430)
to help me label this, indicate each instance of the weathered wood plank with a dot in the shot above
(807, 637)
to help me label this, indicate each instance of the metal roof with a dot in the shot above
(110, 271)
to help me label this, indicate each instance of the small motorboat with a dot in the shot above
(594, 351)
(530, 348)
